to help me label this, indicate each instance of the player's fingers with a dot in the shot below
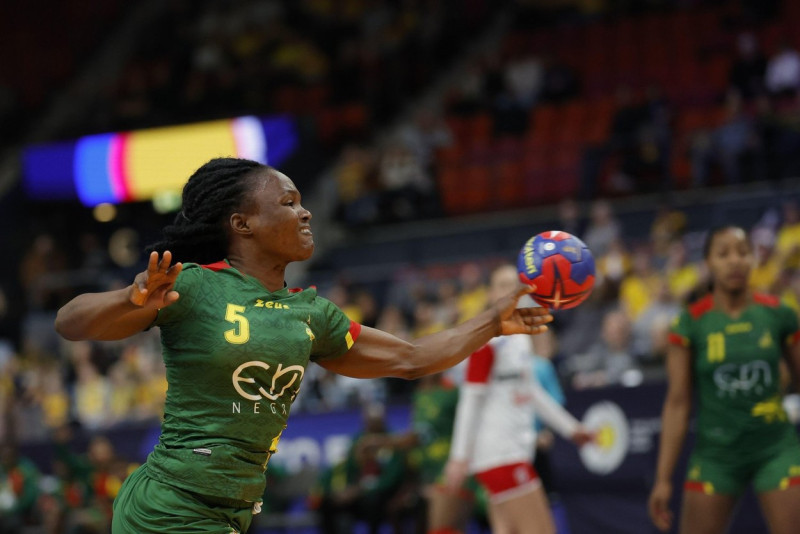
(175, 269)
(524, 289)
(537, 319)
(534, 311)
(152, 263)
(541, 329)
(662, 521)
(166, 259)
(659, 513)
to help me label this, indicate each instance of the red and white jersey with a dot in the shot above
(499, 397)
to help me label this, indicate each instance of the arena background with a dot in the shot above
(430, 140)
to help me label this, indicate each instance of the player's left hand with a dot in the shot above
(515, 320)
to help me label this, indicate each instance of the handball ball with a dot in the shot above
(560, 266)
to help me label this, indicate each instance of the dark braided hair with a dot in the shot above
(213, 193)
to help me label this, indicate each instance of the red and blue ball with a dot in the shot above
(560, 266)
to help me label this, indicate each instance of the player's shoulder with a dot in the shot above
(768, 301)
(775, 306)
(700, 307)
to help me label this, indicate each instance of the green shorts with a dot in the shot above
(778, 468)
(145, 505)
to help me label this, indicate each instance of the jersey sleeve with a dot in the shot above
(680, 330)
(187, 285)
(334, 332)
(470, 403)
(479, 365)
(788, 323)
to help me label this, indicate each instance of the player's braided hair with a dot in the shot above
(213, 193)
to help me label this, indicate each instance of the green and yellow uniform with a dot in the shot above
(433, 414)
(235, 355)
(743, 434)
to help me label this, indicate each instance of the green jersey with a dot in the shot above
(735, 363)
(434, 412)
(235, 355)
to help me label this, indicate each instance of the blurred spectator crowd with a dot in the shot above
(577, 105)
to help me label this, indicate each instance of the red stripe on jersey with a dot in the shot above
(701, 307)
(677, 339)
(355, 330)
(766, 300)
(218, 266)
(695, 485)
(793, 339)
(293, 290)
(793, 481)
(479, 366)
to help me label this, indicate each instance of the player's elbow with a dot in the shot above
(411, 364)
(66, 327)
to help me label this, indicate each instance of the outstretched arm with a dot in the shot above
(558, 418)
(121, 313)
(377, 354)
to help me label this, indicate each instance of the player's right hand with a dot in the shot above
(515, 320)
(153, 288)
(658, 506)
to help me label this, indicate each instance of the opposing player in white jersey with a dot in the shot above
(493, 436)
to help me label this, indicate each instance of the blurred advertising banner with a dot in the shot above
(601, 489)
(143, 164)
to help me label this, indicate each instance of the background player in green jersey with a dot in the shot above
(236, 342)
(728, 348)
(434, 405)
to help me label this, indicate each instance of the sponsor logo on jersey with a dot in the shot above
(508, 376)
(766, 340)
(738, 328)
(734, 379)
(271, 305)
(283, 378)
(521, 475)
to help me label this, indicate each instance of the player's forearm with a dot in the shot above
(442, 350)
(553, 414)
(108, 315)
(674, 423)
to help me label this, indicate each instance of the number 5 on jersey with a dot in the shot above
(241, 332)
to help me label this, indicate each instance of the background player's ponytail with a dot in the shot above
(213, 193)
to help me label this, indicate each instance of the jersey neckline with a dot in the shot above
(225, 265)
